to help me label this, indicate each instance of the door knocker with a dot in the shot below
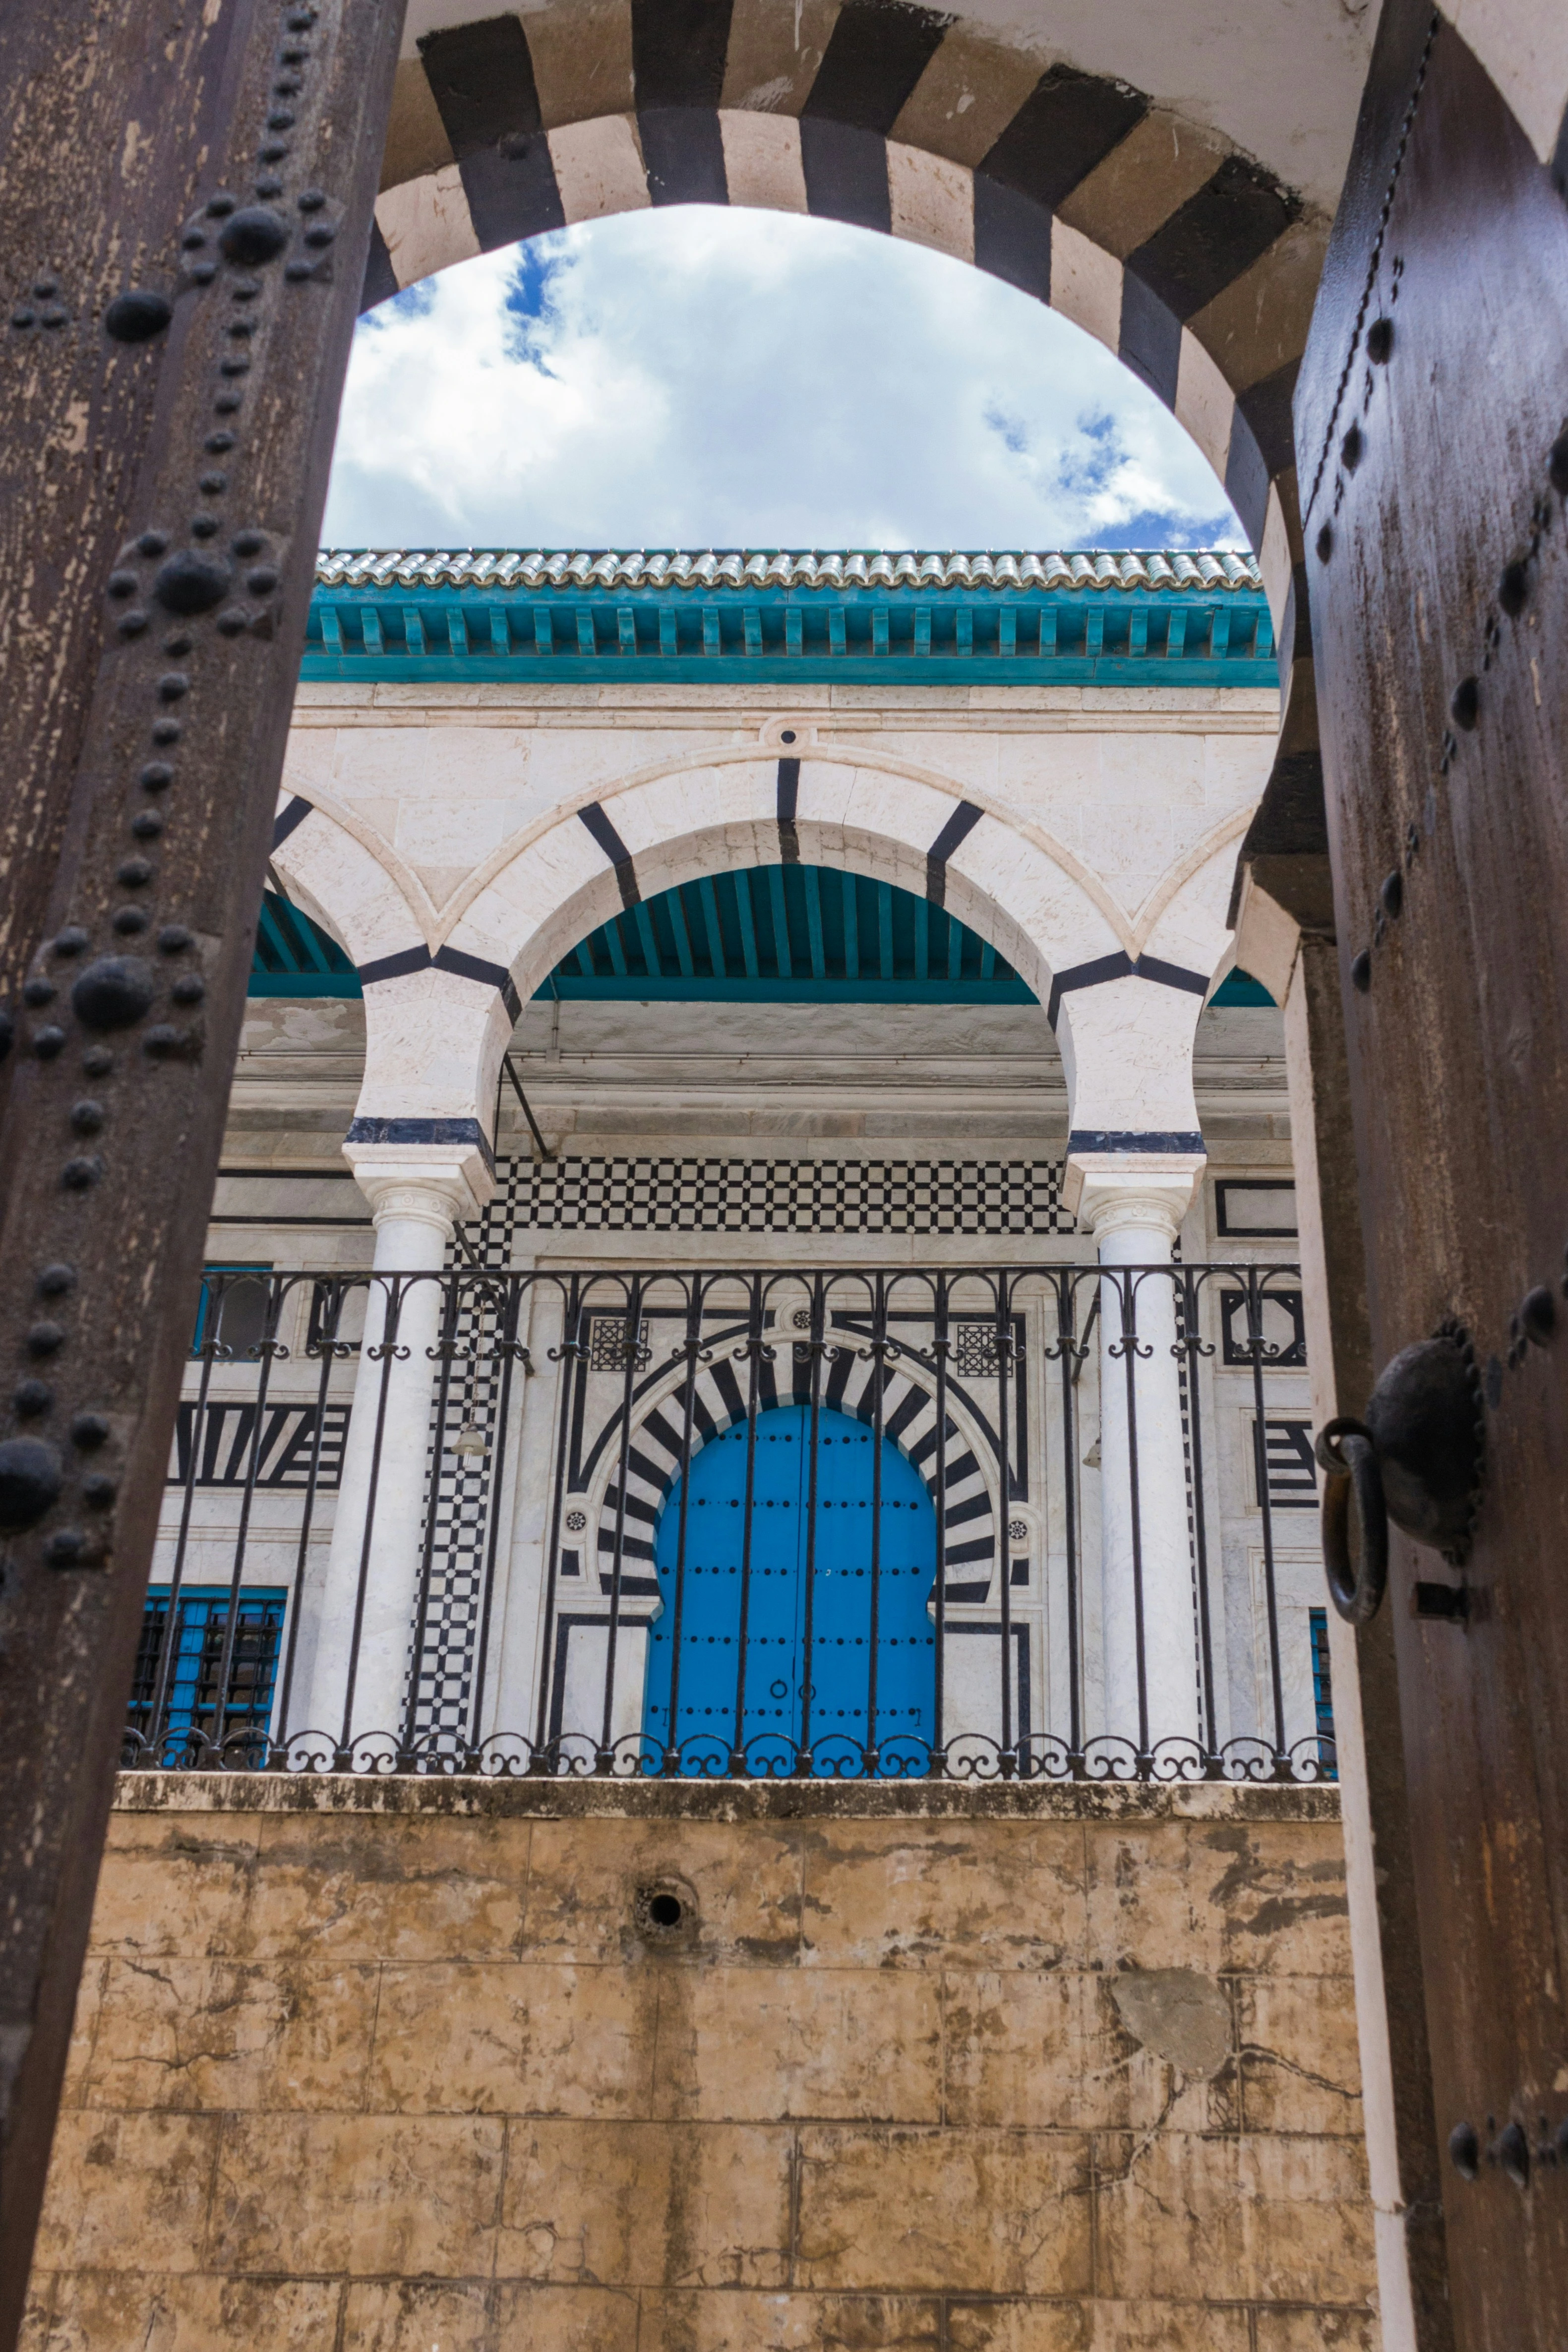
(1416, 1459)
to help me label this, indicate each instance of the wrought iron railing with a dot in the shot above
(1049, 1521)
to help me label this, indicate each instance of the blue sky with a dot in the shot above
(699, 377)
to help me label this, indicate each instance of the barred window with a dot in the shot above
(199, 1695)
(231, 1309)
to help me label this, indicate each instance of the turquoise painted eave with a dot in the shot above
(799, 669)
(775, 636)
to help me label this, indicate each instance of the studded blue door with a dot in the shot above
(775, 1614)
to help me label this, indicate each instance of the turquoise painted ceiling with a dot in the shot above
(771, 934)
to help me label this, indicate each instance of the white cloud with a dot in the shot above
(701, 377)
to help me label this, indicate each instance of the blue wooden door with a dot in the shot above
(775, 1614)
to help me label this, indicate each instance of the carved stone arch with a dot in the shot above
(584, 864)
(719, 1404)
(336, 877)
(1193, 262)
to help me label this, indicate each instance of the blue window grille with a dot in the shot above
(199, 1697)
(1322, 1691)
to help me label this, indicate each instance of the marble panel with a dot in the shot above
(761, 2045)
(515, 2038)
(891, 1894)
(195, 2033)
(653, 2204)
(365, 1888)
(585, 1875)
(896, 2211)
(127, 2192)
(368, 2195)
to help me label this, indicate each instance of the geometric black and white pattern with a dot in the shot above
(284, 1445)
(908, 1416)
(934, 1197)
(776, 1196)
(459, 1533)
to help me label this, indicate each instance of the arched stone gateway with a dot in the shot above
(1195, 263)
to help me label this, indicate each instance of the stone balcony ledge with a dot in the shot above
(556, 1797)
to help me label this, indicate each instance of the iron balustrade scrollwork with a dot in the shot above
(738, 1523)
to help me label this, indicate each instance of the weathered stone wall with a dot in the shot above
(391, 2067)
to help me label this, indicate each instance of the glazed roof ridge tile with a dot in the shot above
(901, 571)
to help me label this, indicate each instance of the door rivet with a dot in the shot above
(1538, 1314)
(1393, 894)
(1465, 704)
(31, 1476)
(191, 584)
(138, 316)
(254, 236)
(1465, 2151)
(1380, 341)
(115, 992)
(1513, 2154)
(1361, 971)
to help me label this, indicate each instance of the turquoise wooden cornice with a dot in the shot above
(771, 616)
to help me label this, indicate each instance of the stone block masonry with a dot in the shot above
(389, 2065)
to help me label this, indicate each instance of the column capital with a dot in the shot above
(1150, 1198)
(437, 1185)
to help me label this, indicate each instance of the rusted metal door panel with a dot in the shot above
(160, 487)
(1431, 421)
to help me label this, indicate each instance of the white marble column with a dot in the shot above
(1145, 1546)
(379, 1528)
(511, 1700)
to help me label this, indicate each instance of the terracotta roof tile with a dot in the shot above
(536, 567)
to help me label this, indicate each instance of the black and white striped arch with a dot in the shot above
(529, 131)
(719, 1404)
(957, 829)
(419, 958)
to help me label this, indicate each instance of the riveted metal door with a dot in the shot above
(743, 1607)
(185, 194)
(1430, 422)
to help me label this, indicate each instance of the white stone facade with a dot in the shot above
(782, 1136)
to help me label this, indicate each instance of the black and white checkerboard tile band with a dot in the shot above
(938, 1197)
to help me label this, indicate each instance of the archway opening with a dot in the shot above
(804, 1620)
(696, 377)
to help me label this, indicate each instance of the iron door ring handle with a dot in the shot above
(1357, 1579)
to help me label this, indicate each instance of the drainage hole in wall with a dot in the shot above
(664, 1912)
